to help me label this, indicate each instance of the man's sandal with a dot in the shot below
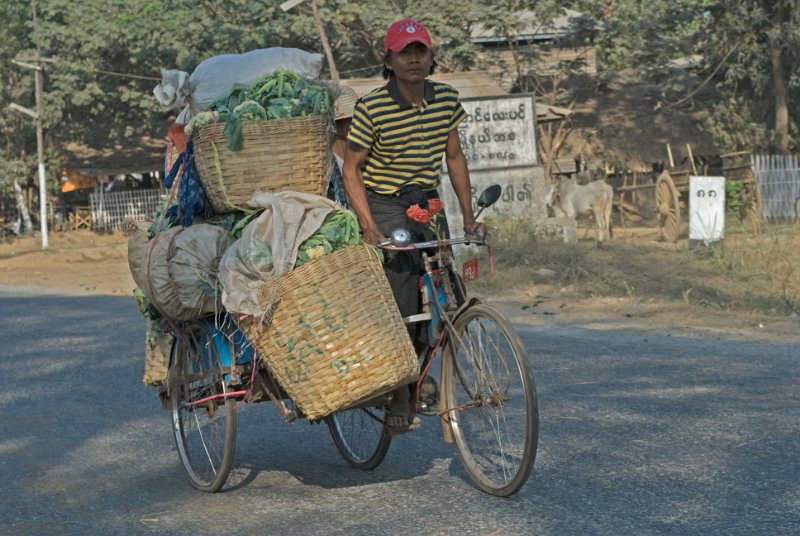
(400, 420)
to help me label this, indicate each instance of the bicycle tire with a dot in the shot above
(205, 434)
(360, 436)
(490, 397)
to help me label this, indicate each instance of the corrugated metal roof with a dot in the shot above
(147, 153)
(468, 84)
(531, 27)
(138, 155)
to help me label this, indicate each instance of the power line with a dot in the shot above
(369, 68)
(126, 75)
(110, 73)
(143, 77)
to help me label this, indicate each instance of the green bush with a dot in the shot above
(734, 190)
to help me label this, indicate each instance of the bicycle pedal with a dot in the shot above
(428, 411)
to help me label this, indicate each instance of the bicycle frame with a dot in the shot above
(438, 285)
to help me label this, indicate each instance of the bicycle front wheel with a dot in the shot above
(491, 402)
(360, 436)
(203, 419)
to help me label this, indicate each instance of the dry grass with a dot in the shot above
(746, 272)
(767, 263)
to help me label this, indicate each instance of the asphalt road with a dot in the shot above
(640, 434)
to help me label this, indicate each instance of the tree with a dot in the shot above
(749, 49)
(761, 41)
(103, 62)
(17, 135)
(107, 53)
(643, 35)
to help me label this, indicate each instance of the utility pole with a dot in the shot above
(36, 114)
(323, 36)
(39, 135)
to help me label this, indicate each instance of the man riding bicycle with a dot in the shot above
(397, 138)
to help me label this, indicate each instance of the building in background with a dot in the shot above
(499, 54)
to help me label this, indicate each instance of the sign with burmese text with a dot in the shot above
(499, 132)
(706, 209)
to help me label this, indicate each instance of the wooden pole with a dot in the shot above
(323, 35)
(671, 161)
(691, 158)
(326, 46)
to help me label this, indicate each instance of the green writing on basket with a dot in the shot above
(302, 348)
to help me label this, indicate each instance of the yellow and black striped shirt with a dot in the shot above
(405, 143)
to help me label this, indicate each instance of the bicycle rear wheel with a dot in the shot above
(360, 436)
(490, 398)
(203, 422)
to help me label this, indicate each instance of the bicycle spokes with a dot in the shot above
(491, 400)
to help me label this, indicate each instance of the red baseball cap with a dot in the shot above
(404, 32)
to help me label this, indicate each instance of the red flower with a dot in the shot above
(435, 205)
(417, 213)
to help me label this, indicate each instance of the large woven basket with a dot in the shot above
(336, 336)
(157, 349)
(280, 154)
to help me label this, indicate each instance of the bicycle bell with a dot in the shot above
(401, 237)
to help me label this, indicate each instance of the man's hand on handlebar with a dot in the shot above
(372, 235)
(475, 231)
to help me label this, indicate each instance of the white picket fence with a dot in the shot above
(779, 180)
(112, 210)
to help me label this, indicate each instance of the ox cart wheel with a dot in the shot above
(668, 208)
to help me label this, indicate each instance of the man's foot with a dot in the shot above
(400, 420)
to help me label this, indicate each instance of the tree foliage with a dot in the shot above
(634, 34)
(758, 44)
(104, 56)
(16, 137)
(749, 48)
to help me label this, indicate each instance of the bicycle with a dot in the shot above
(478, 378)
(487, 403)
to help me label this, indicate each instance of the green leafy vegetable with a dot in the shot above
(281, 94)
(339, 229)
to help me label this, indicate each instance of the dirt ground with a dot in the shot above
(78, 261)
(94, 263)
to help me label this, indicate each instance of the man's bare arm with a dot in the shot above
(353, 181)
(459, 175)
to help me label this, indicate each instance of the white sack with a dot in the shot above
(217, 75)
(268, 246)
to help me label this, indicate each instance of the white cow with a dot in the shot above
(570, 198)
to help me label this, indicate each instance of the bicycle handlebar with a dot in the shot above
(401, 238)
(390, 246)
